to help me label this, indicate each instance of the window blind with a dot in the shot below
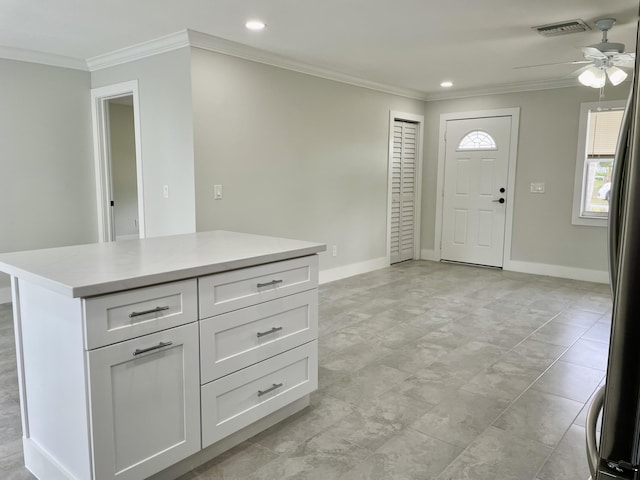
(604, 128)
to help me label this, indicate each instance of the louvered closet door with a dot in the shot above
(403, 190)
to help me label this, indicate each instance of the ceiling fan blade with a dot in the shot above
(624, 64)
(625, 56)
(575, 62)
(590, 52)
(624, 60)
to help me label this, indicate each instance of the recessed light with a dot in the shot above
(446, 84)
(255, 25)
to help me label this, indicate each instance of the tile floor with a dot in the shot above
(427, 371)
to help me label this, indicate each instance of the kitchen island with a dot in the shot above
(146, 358)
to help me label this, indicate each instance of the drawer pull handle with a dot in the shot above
(270, 389)
(269, 284)
(273, 330)
(155, 347)
(153, 310)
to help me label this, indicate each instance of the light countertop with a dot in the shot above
(99, 268)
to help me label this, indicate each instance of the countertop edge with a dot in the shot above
(114, 286)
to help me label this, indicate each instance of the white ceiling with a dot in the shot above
(407, 44)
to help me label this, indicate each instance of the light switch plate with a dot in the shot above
(537, 188)
(217, 192)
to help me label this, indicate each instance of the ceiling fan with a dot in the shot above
(606, 58)
(602, 60)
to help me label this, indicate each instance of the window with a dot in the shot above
(597, 139)
(477, 140)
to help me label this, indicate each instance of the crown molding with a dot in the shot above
(235, 49)
(164, 44)
(33, 56)
(212, 43)
(506, 88)
(192, 38)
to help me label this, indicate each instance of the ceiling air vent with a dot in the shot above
(562, 28)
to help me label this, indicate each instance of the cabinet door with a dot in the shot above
(145, 403)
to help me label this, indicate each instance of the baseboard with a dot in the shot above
(428, 255)
(573, 273)
(560, 271)
(345, 271)
(5, 294)
(133, 236)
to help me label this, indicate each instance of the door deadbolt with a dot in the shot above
(502, 190)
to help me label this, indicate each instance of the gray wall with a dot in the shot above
(547, 149)
(123, 169)
(47, 181)
(166, 136)
(298, 156)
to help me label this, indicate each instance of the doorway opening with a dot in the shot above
(117, 151)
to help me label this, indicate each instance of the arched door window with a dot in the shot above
(477, 140)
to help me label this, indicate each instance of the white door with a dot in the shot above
(474, 196)
(145, 397)
(403, 190)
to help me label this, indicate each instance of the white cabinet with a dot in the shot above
(258, 343)
(148, 358)
(145, 400)
(161, 390)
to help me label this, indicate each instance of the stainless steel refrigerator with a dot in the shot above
(617, 454)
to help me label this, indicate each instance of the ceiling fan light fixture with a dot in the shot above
(593, 77)
(616, 75)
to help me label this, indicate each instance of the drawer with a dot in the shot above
(120, 316)
(224, 292)
(239, 399)
(237, 339)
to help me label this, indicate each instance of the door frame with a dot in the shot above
(514, 113)
(419, 119)
(102, 155)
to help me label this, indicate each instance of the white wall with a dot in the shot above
(298, 156)
(46, 158)
(123, 169)
(547, 149)
(166, 136)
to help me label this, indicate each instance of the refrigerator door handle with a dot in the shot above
(590, 427)
(616, 190)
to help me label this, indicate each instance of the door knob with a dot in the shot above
(500, 200)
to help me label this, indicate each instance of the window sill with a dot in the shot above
(590, 221)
